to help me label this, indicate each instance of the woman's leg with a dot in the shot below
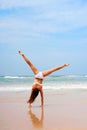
(47, 72)
(33, 68)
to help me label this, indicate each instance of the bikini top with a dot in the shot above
(39, 75)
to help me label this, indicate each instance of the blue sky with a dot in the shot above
(49, 32)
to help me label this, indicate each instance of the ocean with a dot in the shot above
(24, 83)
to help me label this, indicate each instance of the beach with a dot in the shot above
(63, 110)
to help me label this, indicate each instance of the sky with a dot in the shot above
(50, 33)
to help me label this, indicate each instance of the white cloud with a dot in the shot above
(23, 24)
(5, 4)
(51, 17)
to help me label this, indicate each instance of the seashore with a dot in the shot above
(63, 110)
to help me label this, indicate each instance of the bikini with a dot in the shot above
(39, 75)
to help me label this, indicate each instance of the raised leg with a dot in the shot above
(33, 68)
(47, 72)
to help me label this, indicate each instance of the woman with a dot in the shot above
(39, 76)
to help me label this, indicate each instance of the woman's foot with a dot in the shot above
(20, 53)
(66, 65)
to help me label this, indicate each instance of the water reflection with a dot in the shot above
(36, 121)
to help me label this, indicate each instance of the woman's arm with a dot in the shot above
(42, 98)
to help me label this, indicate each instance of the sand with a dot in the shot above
(63, 110)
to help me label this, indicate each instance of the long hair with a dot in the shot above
(33, 96)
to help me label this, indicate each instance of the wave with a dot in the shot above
(24, 83)
(72, 75)
(45, 87)
(15, 89)
(8, 76)
(16, 77)
(11, 77)
(55, 77)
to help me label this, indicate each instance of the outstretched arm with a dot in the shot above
(33, 68)
(45, 73)
(42, 98)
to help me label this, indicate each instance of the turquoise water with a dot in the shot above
(23, 83)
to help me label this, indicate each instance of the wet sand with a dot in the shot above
(63, 110)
